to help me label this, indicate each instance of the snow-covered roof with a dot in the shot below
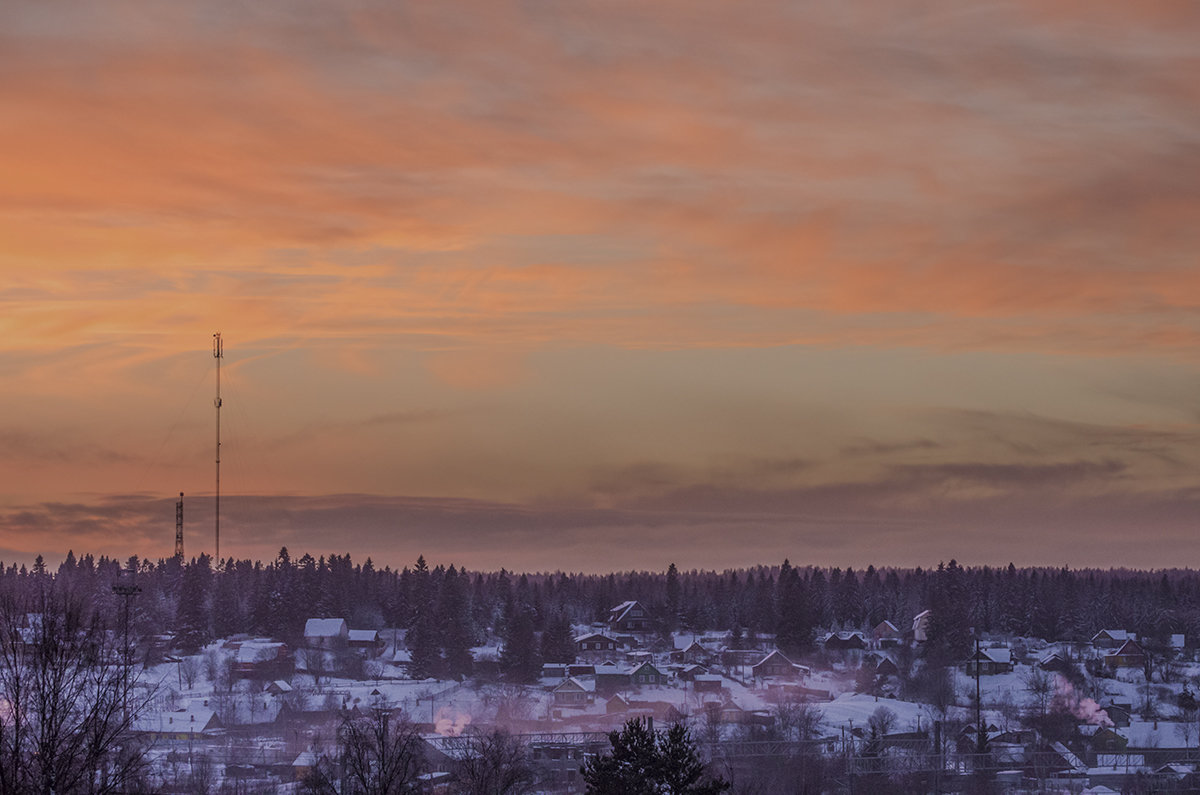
(709, 678)
(1115, 634)
(258, 651)
(618, 612)
(363, 635)
(998, 655)
(1157, 734)
(1177, 641)
(775, 653)
(325, 627)
(191, 719)
(1128, 648)
(585, 685)
(593, 636)
(283, 685)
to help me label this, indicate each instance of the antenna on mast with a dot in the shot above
(179, 528)
(218, 354)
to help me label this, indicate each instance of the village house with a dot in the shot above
(611, 677)
(1054, 662)
(844, 641)
(885, 635)
(1110, 638)
(262, 659)
(191, 723)
(366, 642)
(630, 616)
(595, 643)
(920, 626)
(1130, 655)
(692, 653)
(326, 633)
(776, 665)
(880, 664)
(708, 683)
(574, 693)
(647, 674)
(989, 662)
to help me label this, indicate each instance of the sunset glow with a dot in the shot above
(604, 285)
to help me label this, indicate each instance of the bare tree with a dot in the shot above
(1042, 686)
(799, 720)
(382, 753)
(881, 722)
(189, 670)
(493, 763)
(68, 701)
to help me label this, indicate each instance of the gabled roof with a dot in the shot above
(594, 636)
(193, 719)
(649, 665)
(1114, 634)
(1129, 647)
(776, 653)
(886, 626)
(575, 685)
(1003, 656)
(618, 612)
(364, 635)
(258, 651)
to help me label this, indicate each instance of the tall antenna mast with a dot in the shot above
(218, 354)
(179, 528)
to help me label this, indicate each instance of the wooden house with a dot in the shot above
(1129, 655)
(1111, 638)
(647, 674)
(776, 665)
(594, 643)
(630, 616)
(326, 633)
(885, 635)
(574, 693)
(989, 662)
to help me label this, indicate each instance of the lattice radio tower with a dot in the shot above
(179, 528)
(218, 354)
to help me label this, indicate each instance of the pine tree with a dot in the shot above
(558, 641)
(423, 642)
(671, 618)
(191, 626)
(455, 619)
(642, 763)
(519, 658)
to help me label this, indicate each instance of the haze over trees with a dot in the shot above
(448, 610)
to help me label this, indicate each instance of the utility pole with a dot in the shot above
(218, 354)
(126, 588)
(981, 732)
(179, 528)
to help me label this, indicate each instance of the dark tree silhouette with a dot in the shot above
(643, 763)
(66, 704)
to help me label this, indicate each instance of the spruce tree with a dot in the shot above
(519, 659)
(454, 611)
(558, 640)
(642, 763)
(423, 641)
(191, 622)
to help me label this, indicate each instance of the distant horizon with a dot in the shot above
(296, 554)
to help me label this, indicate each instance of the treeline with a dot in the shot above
(447, 610)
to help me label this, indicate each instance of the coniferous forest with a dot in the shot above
(448, 610)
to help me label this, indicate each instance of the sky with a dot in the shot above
(603, 285)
